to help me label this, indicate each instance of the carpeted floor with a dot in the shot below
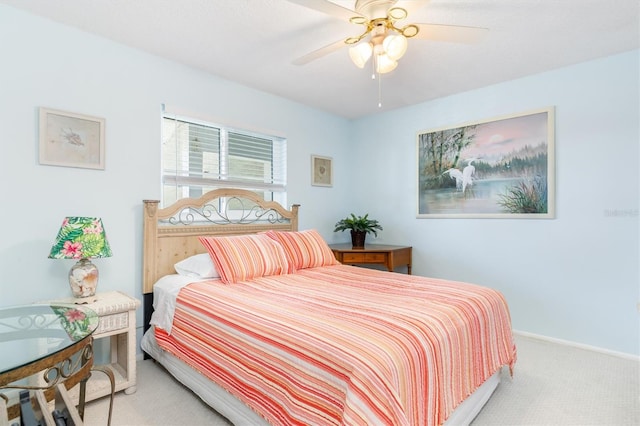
(553, 385)
(562, 385)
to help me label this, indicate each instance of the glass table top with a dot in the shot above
(32, 332)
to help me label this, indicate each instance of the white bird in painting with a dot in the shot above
(463, 178)
(467, 174)
(457, 175)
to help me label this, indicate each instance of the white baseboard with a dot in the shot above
(624, 355)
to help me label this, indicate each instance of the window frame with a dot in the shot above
(276, 190)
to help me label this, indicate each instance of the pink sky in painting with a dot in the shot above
(495, 139)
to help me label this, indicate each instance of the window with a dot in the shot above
(198, 156)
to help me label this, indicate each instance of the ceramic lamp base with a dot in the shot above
(83, 279)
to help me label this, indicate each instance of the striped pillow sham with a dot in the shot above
(243, 257)
(304, 249)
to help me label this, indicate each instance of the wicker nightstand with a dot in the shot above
(117, 312)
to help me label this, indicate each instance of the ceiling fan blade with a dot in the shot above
(452, 33)
(319, 53)
(328, 8)
(412, 6)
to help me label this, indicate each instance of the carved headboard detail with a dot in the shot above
(171, 234)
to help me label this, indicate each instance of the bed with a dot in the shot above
(281, 333)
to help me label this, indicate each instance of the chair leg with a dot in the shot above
(73, 413)
(47, 417)
(4, 416)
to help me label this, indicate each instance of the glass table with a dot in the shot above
(46, 349)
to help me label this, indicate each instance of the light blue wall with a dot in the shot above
(45, 64)
(575, 277)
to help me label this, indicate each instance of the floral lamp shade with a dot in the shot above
(81, 238)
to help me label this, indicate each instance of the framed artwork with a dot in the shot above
(502, 167)
(321, 171)
(71, 140)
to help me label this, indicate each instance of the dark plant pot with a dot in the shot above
(357, 239)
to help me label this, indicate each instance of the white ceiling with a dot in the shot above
(254, 43)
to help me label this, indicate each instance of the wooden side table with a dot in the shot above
(387, 255)
(117, 312)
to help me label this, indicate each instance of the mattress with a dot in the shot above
(333, 338)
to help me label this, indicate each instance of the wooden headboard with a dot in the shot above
(171, 234)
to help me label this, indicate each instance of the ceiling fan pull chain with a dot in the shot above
(373, 68)
(379, 91)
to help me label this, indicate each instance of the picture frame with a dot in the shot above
(321, 171)
(502, 167)
(71, 140)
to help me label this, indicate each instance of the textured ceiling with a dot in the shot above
(254, 43)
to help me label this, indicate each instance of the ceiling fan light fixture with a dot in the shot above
(378, 49)
(385, 64)
(358, 20)
(397, 13)
(410, 31)
(360, 54)
(395, 46)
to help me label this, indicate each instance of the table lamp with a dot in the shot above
(81, 238)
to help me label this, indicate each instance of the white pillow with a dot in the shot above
(199, 266)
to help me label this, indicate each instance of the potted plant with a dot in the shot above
(359, 226)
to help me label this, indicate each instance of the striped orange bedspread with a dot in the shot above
(344, 345)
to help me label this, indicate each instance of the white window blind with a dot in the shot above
(198, 156)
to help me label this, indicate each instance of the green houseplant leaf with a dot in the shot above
(358, 224)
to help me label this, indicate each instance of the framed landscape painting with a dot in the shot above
(497, 168)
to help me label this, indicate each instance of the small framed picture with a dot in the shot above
(71, 140)
(321, 171)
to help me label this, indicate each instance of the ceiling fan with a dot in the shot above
(383, 37)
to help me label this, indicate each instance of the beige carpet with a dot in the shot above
(553, 385)
(562, 385)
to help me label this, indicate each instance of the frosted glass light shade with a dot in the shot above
(385, 64)
(360, 54)
(395, 46)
